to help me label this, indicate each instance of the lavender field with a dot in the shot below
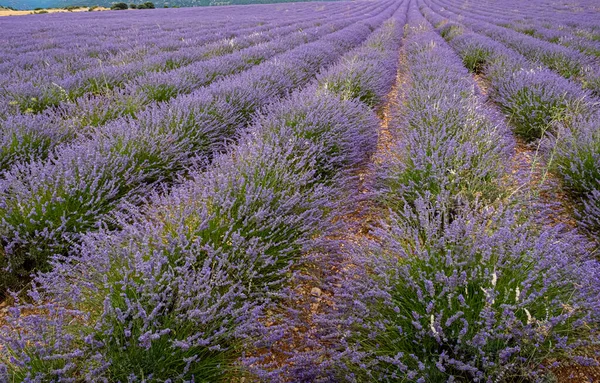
(348, 191)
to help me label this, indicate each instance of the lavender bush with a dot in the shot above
(445, 141)
(574, 154)
(535, 99)
(482, 297)
(367, 74)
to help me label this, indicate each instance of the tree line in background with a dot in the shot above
(123, 6)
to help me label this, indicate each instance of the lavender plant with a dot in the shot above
(484, 296)
(574, 152)
(367, 74)
(535, 99)
(445, 142)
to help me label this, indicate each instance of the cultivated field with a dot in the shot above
(365, 191)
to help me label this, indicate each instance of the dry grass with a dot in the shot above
(8, 12)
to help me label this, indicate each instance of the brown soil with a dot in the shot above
(578, 374)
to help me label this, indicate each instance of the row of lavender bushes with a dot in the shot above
(45, 205)
(459, 285)
(540, 105)
(366, 75)
(186, 285)
(34, 136)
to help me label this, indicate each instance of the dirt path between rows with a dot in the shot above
(304, 347)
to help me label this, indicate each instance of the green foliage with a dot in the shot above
(160, 92)
(532, 112)
(476, 58)
(118, 6)
(450, 31)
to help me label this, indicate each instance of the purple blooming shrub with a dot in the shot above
(367, 74)
(97, 110)
(445, 141)
(51, 342)
(450, 30)
(483, 297)
(591, 79)
(31, 98)
(479, 53)
(183, 285)
(535, 99)
(30, 136)
(574, 153)
(345, 132)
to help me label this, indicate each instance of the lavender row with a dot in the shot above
(45, 205)
(541, 104)
(27, 137)
(192, 277)
(530, 94)
(542, 31)
(47, 89)
(66, 60)
(547, 24)
(456, 288)
(567, 62)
